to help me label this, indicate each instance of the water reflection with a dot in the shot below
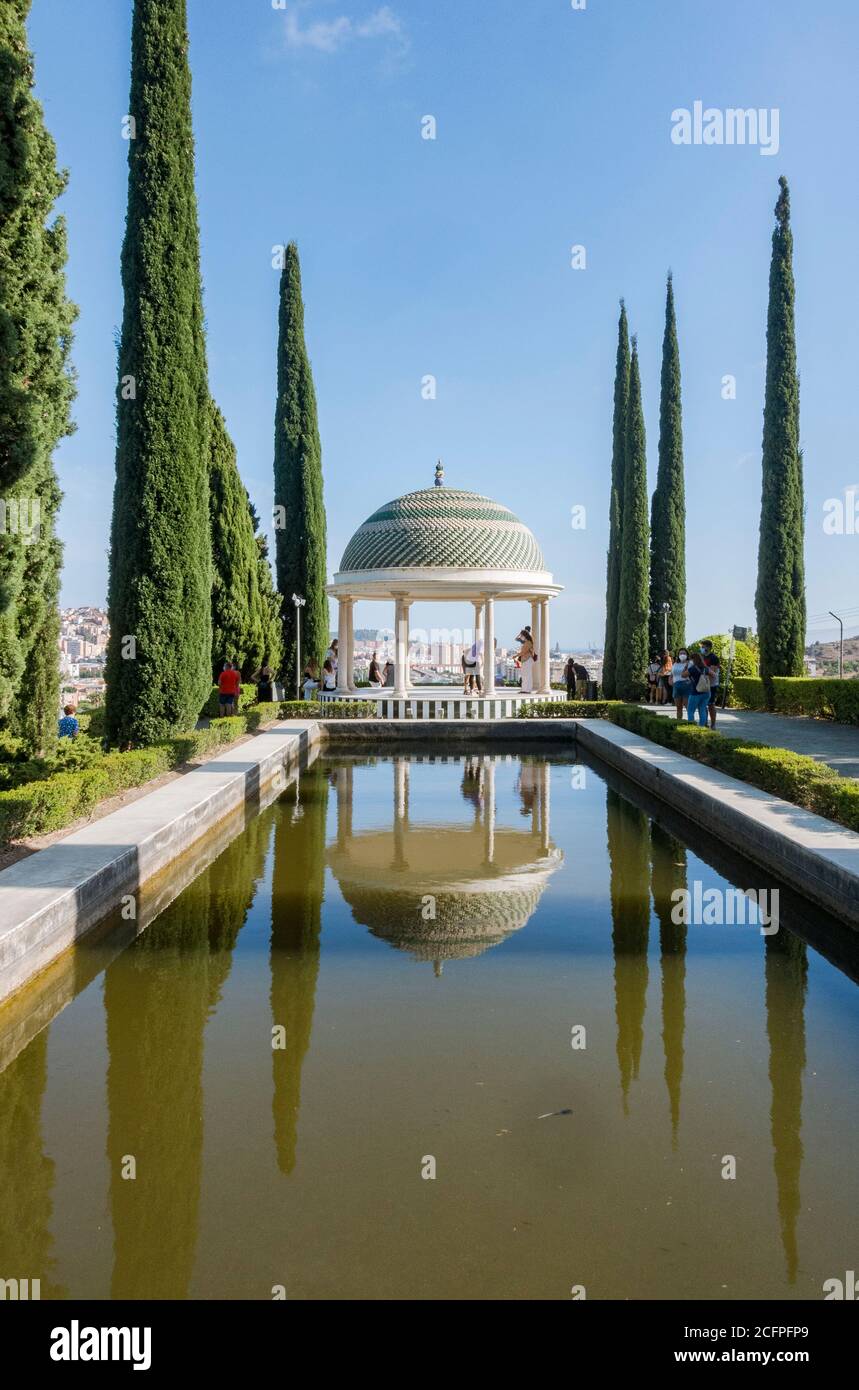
(27, 1173)
(296, 923)
(668, 873)
(786, 983)
(158, 996)
(444, 890)
(628, 841)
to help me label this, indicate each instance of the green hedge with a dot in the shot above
(822, 698)
(332, 709)
(247, 698)
(792, 776)
(568, 709)
(40, 807)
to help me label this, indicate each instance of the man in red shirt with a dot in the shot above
(229, 685)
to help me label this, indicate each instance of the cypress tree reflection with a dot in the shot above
(630, 916)
(28, 1173)
(668, 872)
(298, 883)
(158, 996)
(786, 983)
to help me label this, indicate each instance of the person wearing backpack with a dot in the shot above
(699, 699)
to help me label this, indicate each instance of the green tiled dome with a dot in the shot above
(441, 526)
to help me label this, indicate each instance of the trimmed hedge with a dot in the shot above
(792, 776)
(568, 709)
(820, 697)
(247, 698)
(333, 709)
(40, 807)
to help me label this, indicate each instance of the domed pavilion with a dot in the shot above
(443, 544)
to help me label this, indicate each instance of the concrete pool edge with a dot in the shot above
(818, 857)
(51, 899)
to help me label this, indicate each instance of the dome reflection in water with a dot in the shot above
(388, 962)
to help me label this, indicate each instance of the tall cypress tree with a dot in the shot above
(780, 596)
(236, 626)
(668, 506)
(36, 391)
(634, 607)
(160, 556)
(267, 603)
(618, 465)
(299, 507)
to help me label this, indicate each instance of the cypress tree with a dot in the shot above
(160, 556)
(36, 391)
(668, 506)
(634, 607)
(267, 601)
(299, 508)
(236, 614)
(618, 464)
(780, 596)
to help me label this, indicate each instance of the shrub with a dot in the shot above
(745, 656)
(331, 709)
(567, 709)
(52, 802)
(247, 697)
(792, 776)
(822, 698)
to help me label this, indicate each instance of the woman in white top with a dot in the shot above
(329, 675)
(681, 681)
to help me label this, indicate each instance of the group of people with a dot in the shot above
(230, 686)
(690, 680)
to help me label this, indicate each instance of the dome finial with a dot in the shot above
(439, 475)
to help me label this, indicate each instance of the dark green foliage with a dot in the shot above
(300, 558)
(565, 709)
(618, 467)
(329, 709)
(630, 925)
(160, 557)
(668, 506)
(36, 390)
(792, 776)
(245, 610)
(634, 607)
(780, 597)
(826, 698)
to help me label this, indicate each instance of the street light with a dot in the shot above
(666, 609)
(840, 622)
(299, 604)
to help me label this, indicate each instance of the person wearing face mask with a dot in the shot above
(681, 683)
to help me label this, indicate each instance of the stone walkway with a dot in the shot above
(835, 744)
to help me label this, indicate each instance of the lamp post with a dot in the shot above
(840, 622)
(299, 604)
(666, 609)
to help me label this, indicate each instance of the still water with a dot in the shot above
(383, 976)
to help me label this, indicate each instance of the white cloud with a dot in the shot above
(329, 35)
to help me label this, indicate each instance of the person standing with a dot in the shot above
(526, 656)
(263, 679)
(681, 685)
(714, 671)
(664, 679)
(376, 677)
(229, 687)
(311, 678)
(652, 677)
(570, 678)
(699, 699)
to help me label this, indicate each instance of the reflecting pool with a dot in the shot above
(435, 1028)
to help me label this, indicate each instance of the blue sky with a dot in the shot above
(452, 257)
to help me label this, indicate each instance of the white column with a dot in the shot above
(545, 642)
(344, 616)
(489, 810)
(349, 655)
(535, 623)
(478, 617)
(401, 659)
(489, 645)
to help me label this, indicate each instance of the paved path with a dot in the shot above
(835, 744)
